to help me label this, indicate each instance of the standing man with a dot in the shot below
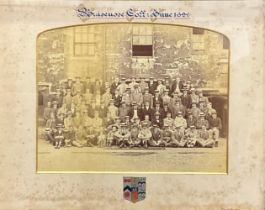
(177, 86)
(152, 86)
(185, 99)
(215, 126)
(137, 95)
(122, 87)
(114, 86)
(147, 97)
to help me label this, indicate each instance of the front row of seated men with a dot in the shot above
(141, 134)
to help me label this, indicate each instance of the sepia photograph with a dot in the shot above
(132, 98)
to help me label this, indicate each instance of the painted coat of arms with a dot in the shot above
(134, 188)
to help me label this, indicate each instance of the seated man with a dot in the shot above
(146, 121)
(69, 136)
(111, 138)
(177, 138)
(135, 141)
(59, 136)
(157, 137)
(167, 135)
(191, 136)
(101, 139)
(91, 136)
(50, 128)
(204, 139)
(145, 134)
(80, 138)
(180, 121)
(157, 120)
(201, 121)
(123, 136)
(168, 121)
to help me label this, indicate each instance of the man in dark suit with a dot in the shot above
(134, 112)
(146, 110)
(177, 86)
(186, 99)
(159, 110)
(152, 86)
(157, 120)
(114, 85)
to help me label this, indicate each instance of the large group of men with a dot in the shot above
(130, 112)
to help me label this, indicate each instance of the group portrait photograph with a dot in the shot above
(132, 97)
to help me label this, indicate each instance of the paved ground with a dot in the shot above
(74, 159)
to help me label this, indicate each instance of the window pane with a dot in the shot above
(91, 49)
(136, 40)
(84, 49)
(77, 29)
(136, 30)
(78, 49)
(148, 40)
(91, 37)
(148, 30)
(84, 38)
(78, 37)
